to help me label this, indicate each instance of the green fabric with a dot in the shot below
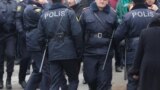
(122, 8)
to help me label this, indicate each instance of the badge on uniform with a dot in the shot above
(19, 1)
(37, 10)
(19, 8)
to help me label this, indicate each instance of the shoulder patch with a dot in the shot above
(19, 8)
(19, 1)
(34, 5)
(37, 10)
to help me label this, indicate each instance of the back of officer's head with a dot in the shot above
(55, 1)
(138, 1)
(137, 4)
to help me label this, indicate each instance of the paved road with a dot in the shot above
(117, 82)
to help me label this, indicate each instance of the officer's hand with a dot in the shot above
(136, 77)
(154, 7)
(130, 6)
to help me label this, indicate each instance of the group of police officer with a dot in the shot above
(58, 38)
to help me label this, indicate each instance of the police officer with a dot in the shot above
(98, 22)
(133, 23)
(31, 16)
(63, 33)
(25, 57)
(7, 39)
(77, 6)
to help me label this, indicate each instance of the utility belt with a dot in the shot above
(59, 36)
(99, 35)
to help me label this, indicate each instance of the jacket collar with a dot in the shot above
(94, 7)
(57, 5)
(139, 6)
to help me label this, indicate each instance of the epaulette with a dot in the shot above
(19, 8)
(37, 10)
(19, 0)
(83, 11)
(34, 5)
(86, 8)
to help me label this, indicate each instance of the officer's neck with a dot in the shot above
(100, 9)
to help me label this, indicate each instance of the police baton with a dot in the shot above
(125, 62)
(43, 58)
(110, 43)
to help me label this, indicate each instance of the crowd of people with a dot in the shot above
(56, 36)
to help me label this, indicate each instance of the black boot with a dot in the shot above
(1, 84)
(118, 69)
(1, 81)
(8, 81)
(23, 84)
(8, 84)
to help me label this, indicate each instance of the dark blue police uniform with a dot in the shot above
(7, 38)
(96, 42)
(31, 16)
(25, 56)
(134, 21)
(63, 32)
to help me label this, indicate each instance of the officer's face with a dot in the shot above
(71, 3)
(101, 3)
(150, 2)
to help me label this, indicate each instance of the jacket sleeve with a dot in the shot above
(83, 25)
(139, 56)
(41, 35)
(121, 31)
(76, 32)
(19, 18)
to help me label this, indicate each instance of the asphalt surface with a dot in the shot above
(118, 82)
